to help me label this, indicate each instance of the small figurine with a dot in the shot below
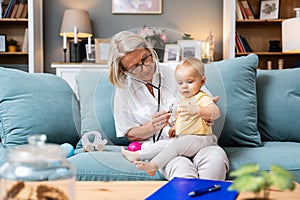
(211, 42)
(96, 145)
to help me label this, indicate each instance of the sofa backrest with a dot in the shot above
(37, 104)
(96, 94)
(233, 80)
(266, 105)
(278, 97)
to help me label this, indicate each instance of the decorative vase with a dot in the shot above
(160, 53)
(274, 46)
(158, 48)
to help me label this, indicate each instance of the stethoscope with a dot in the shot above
(158, 94)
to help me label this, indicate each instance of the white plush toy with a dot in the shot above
(96, 145)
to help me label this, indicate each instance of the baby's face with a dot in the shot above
(189, 81)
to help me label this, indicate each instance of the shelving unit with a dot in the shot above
(258, 33)
(31, 61)
(68, 70)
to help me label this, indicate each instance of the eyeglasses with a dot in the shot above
(138, 68)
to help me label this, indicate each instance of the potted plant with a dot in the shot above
(249, 178)
(12, 45)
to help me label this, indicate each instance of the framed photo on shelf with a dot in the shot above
(190, 48)
(90, 56)
(2, 42)
(102, 47)
(269, 9)
(136, 6)
(172, 53)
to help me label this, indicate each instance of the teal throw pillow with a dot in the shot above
(96, 96)
(234, 80)
(278, 96)
(37, 104)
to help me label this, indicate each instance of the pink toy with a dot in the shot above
(134, 146)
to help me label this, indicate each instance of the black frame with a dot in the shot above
(2, 42)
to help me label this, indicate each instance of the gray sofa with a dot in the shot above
(260, 120)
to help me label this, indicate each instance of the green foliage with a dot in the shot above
(187, 36)
(249, 178)
(13, 42)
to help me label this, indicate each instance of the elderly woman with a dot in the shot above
(144, 93)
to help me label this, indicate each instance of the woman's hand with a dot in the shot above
(160, 120)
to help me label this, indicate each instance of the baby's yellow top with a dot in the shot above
(194, 125)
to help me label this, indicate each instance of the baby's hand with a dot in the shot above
(172, 132)
(188, 111)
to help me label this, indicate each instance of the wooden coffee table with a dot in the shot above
(139, 190)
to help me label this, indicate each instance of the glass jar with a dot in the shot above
(37, 171)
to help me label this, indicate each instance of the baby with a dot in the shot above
(191, 133)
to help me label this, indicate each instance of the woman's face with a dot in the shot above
(139, 63)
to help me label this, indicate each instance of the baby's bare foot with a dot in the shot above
(130, 155)
(149, 167)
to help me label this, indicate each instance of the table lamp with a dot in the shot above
(75, 24)
(291, 34)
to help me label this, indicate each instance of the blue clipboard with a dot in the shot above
(179, 188)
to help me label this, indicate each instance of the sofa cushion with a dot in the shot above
(270, 153)
(96, 102)
(278, 97)
(2, 154)
(107, 165)
(238, 123)
(36, 103)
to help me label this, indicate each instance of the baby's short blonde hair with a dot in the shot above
(192, 62)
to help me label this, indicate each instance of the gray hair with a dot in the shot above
(121, 44)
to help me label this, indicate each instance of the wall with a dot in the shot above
(196, 17)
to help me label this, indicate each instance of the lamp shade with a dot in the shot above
(76, 18)
(291, 33)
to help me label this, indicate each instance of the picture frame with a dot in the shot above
(137, 6)
(2, 42)
(190, 48)
(90, 56)
(269, 9)
(172, 53)
(102, 47)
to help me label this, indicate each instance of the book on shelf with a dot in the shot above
(236, 48)
(245, 16)
(247, 8)
(25, 11)
(25, 41)
(246, 44)
(239, 43)
(9, 8)
(179, 188)
(20, 8)
(15, 9)
(242, 45)
(239, 14)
